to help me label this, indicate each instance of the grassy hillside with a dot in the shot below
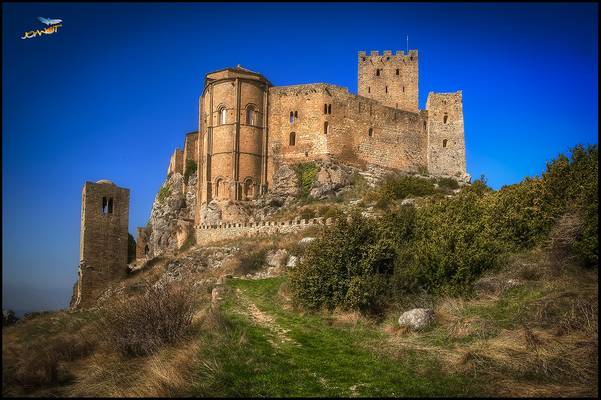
(511, 276)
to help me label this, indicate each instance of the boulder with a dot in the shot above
(306, 240)
(292, 262)
(285, 182)
(331, 179)
(276, 258)
(216, 296)
(417, 319)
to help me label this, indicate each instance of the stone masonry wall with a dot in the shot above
(207, 234)
(103, 240)
(391, 79)
(446, 144)
(176, 162)
(190, 152)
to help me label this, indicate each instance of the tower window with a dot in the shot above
(110, 205)
(250, 116)
(370, 132)
(329, 109)
(397, 71)
(291, 116)
(368, 89)
(386, 89)
(445, 118)
(326, 127)
(296, 114)
(292, 140)
(424, 125)
(222, 115)
(362, 58)
(403, 89)
(104, 205)
(378, 72)
(325, 108)
(444, 143)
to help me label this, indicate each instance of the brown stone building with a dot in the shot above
(247, 127)
(103, 240)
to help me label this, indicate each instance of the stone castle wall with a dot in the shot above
(207, 234)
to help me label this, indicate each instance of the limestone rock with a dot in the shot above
(276, 258)
(285, 182)
(417, 319)
(292, 262)
(216, 296)
(331, 178)
(306, 240)
(169, 206)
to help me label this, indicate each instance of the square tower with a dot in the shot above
(391, 79)
(103, 240)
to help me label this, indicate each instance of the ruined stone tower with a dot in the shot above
(391, 79)
(103, 240)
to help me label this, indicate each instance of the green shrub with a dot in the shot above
(164, 192)
(191, 167)
(447, 184)
(306, 172)
(401, 187)
(329, 211)
(251, 261)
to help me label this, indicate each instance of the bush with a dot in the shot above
(252, 260)
(143, 324)
(190, 169)
(447, 184)
(401, 187)
(306, 172)
(164, 192)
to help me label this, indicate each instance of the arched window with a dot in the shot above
(291, 116)
(370, 132)
(444, 143)
(292, 140)
(445, 118)
(326, 127)
(219, 188)
(249, 191)
(329, 109)
(251, 118)
(222, 115)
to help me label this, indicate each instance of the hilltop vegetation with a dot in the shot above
(510, 274)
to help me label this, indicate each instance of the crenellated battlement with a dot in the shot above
(387, 55)
(210, 233)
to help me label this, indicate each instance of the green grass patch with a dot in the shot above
(317, 360)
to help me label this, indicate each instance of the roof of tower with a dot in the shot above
(235, 72)
(106, 181)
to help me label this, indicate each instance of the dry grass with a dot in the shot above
(143, 324)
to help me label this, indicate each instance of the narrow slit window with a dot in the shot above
(110, 205)
(325, 108)
(445, 118)
(424, 125)
(329, 109)
(326, 127)
(291, 117)
(368, 89)
(222, 115)
(378, 72)
(444, 143)
(296, 115)
(104, 205)
(370, 132)
(386, 89)
(397, 71)
(292, 140)
(250, 116)
(403, 89)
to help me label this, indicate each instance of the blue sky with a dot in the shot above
(116, 89)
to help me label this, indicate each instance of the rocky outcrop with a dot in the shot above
(172, 215)
(331, 178)
(417, 319)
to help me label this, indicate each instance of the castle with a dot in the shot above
(248, 128)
